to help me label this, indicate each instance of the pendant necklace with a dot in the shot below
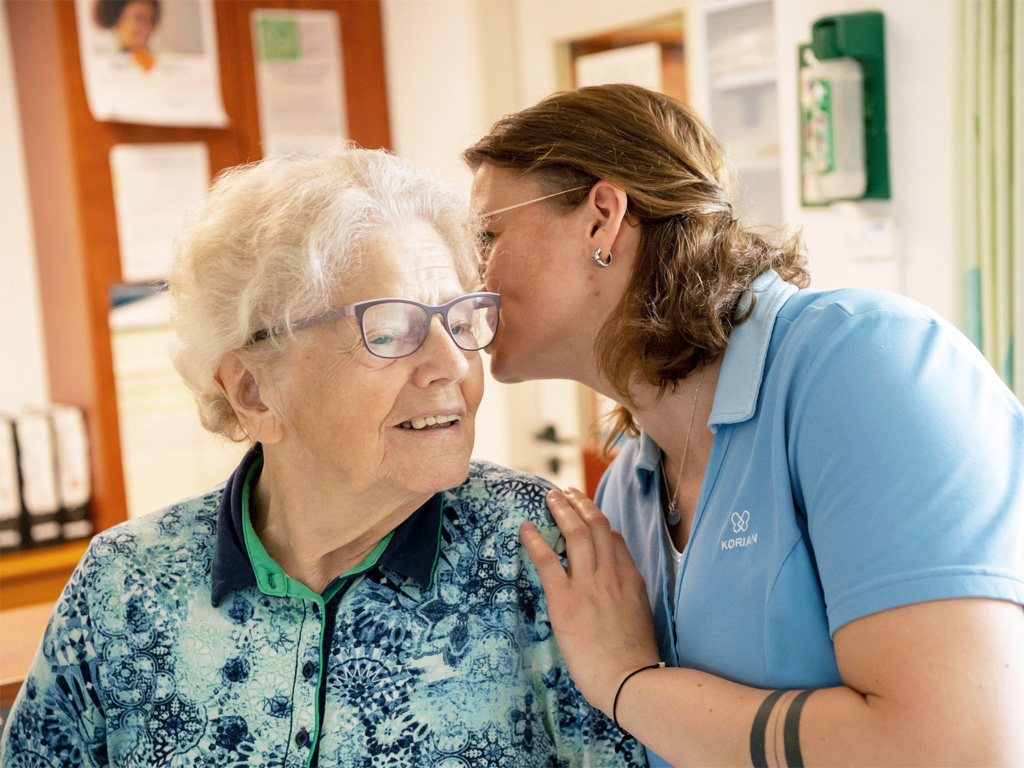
(674, 516)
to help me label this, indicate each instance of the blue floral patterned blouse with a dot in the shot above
(179, 642)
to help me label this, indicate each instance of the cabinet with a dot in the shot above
(71, 198)
(735, 85)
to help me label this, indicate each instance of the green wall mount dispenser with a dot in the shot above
(844, 137)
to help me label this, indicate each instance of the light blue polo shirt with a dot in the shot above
(873, 420)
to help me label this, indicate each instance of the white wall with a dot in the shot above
(23, 373)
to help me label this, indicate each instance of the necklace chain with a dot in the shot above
(674, 515)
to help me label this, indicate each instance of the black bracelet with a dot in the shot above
(615, 703)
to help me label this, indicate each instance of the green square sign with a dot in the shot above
(279, 39)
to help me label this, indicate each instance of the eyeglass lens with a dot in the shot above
(396, 329)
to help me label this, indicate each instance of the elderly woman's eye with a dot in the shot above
(381, 339)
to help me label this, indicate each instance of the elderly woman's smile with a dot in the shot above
(429, 422)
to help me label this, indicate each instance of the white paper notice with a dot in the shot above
(154, 186)
(635, 64)
(299, 82)
(150, 62)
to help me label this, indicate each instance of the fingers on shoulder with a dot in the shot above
(576, 515)
(539, 549)
(588, 511)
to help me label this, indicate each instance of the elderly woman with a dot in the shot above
(348, 597)
(823, 491)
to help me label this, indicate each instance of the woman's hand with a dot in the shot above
(599, 609)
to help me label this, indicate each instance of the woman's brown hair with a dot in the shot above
(694, 261)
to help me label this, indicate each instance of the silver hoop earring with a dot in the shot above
(597, 259)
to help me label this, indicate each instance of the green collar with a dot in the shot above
(270, 577)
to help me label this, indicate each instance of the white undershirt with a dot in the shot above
(673, 561)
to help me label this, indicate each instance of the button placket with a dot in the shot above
(305, 710)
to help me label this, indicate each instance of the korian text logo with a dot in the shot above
(740, 523)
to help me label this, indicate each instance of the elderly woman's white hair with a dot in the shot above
(276, 240)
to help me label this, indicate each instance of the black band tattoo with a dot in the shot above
(791, 731)
(759, 729)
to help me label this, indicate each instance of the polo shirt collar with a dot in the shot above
(411, 552)
(739, 381)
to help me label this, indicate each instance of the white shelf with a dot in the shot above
(738, 92)
(749, 78)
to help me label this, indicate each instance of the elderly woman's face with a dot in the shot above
(344, 409)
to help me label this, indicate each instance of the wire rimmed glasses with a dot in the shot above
(393, 328)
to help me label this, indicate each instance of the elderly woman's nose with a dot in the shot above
(441, 359)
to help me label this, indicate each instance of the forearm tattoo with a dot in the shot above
(774, 736)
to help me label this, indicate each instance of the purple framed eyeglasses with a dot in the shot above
(393, 328)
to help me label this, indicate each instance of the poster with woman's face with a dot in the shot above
(152, 62)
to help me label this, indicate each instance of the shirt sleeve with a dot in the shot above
(57, 719)
(905, 451)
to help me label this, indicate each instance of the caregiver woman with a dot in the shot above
(823, 491)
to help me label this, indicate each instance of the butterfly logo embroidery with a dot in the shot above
(740, 520)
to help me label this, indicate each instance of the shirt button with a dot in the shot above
(308, 669)
(302, 738)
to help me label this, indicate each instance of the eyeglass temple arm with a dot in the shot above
(331, 314)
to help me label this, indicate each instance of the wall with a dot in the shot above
(23, 373)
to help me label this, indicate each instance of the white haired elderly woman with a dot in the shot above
(349, 597)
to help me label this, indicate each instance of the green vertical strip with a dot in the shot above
(1016, 369)
(972, 310)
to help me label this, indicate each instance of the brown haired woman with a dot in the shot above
(834, 564)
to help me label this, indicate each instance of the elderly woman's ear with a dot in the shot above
(259, 422)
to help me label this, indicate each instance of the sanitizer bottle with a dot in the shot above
(832, 104)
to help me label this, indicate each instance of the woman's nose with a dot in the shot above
(441, 359)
